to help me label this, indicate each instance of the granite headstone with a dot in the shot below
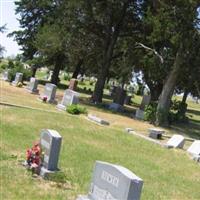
(73, 84)
(176, 141)
(18, 79)
(32, 86)
(49, 92)
(70, 97)
(50, 141)
(113, 182)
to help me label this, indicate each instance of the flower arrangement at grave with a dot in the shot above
(44, 99)
(34, 157)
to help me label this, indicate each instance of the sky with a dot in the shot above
(8, 17)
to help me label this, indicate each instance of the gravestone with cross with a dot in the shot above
(50, 141)
(113, 182)
(49, 92)
(70, 97)
(18, 79)
(32, 86)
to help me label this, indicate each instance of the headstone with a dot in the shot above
(194, 150)
(145, 101)
(50, 75)
(5, 76)
(156, 133)
(32, 87)
(127, 100)
(176, 141)
(98, 120)
(50, 141)
(115, 107)
(113, 182)
(49, 92)
(73, 84)
(70, 97)
(18, 78)
(119, 96)
(140, 112)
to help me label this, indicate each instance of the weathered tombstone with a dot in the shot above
(5, 75)
(140, 112)
(70, 97)
(73, 84)
(32, 86)
(50, 141)
(156, 133)
(194, 150)
(113, 182)
(176, 141)
(18, 79)
(49, 92)
(98, 120)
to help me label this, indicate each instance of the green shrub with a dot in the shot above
(66, 77)
(76, 109)
(150, 112)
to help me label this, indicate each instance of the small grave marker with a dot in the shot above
(5, 76)
(49, 92)
(98, 120)
(70, 97)
(156, 133)
(113, 182)
(194, 150)
(32, 87)
(18, 79)
(50, 142)
(176, 141)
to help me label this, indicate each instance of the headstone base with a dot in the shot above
(116, 107)
(33, 91)
(139, 114)
(61, 107)
(45, 172)
(14, 83)
(82, 197)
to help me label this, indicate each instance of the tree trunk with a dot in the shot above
(167, 92)
(77, 69)
(185, 95)
(33, 69)
(56, 70)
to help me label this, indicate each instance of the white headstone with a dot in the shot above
(18, 78)
(176, 141)
(70, 97)
(194, 149)
(113, 182)
(5, 75)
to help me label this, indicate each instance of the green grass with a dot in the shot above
(167, 174)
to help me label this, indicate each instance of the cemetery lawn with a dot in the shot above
(167, 173)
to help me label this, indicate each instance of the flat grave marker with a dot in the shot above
(97, 120)
(194, 150)
(176, 141)
(113, 182)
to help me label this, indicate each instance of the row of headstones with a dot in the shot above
(177, 141)
(70, 96)
(109, 181)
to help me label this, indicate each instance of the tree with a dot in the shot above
(2, 49)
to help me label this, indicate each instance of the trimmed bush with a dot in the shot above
(76, 109)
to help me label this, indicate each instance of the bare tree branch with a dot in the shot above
(140, 45)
